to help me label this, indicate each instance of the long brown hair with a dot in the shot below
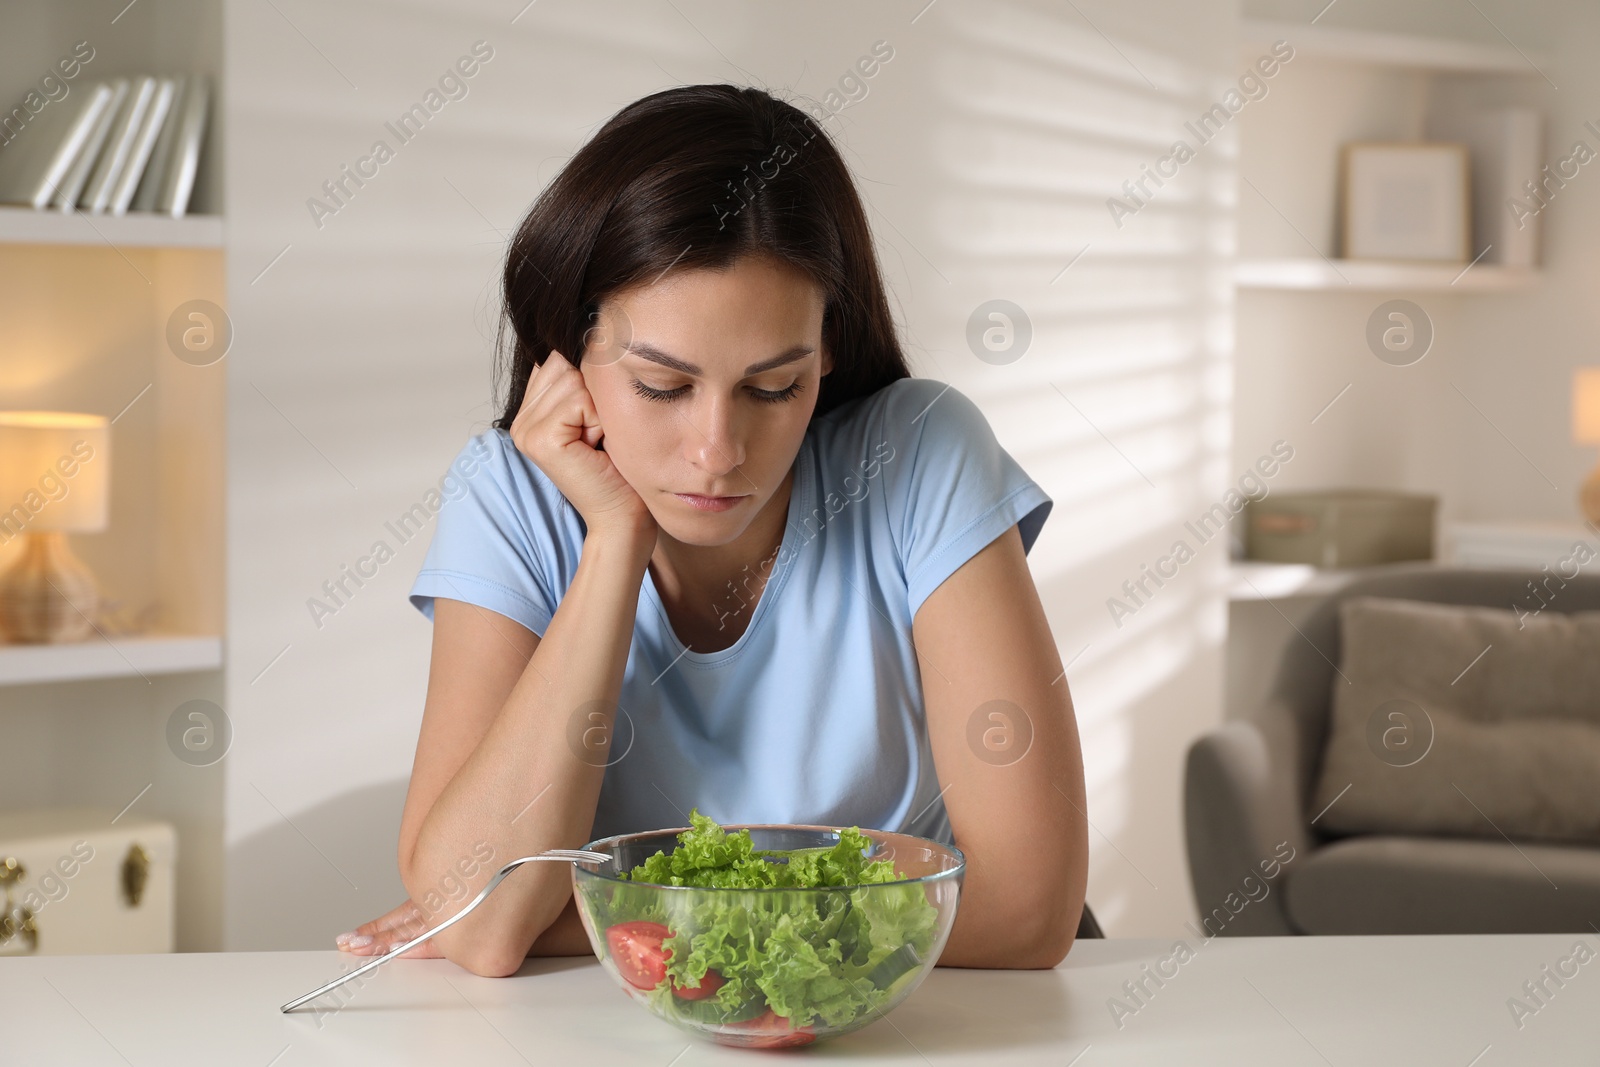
(696, 177)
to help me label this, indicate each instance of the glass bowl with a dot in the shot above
(776, 966)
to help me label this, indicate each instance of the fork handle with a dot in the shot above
(415, 941)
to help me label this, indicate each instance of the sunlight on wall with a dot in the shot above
(1120, 407)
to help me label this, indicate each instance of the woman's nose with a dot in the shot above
(715, 444)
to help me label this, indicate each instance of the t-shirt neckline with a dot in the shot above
(800, 503)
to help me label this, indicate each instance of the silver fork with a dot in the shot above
(571, 855)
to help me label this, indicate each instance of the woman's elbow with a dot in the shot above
(1048, 944)
(487, 961)
(1046, 917)
(1051, 927)
(492, 967)
(1030, 937)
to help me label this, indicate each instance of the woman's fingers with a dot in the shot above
(539, 384)
(578, 411)
(545, 377)
(411, 923)
(548, 379)
(424, 951)
(383, 945)
(558, 427)
(557, 413)
(376, 936)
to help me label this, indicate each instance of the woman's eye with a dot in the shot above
(777, 396)
(658, 394)
(769, 396)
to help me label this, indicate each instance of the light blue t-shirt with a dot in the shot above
(815, 714)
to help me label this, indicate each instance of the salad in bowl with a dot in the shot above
(769, 936)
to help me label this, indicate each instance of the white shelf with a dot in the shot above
(1255, 580)
(120, 657)
(22, 225)
(1496, 545)
(1359, 275)
(1529, 544)
(1393, 49)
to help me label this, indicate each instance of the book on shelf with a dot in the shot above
(67, 192)
(182, 161)
(37, 157)
(144, 141)
(126, 144)
(114, 155)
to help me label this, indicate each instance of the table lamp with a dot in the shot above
(55, 478)
(1586, 431)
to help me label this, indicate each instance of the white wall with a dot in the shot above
(986, 149)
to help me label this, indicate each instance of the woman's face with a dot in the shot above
(676, 372)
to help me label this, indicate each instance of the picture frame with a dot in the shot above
(1406, 201)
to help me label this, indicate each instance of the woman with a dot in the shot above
(721, 550)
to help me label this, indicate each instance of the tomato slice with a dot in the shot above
(709, 984)
(637, 952)
(767, 1030)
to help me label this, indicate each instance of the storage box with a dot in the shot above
(88, 884)
(1340, 527)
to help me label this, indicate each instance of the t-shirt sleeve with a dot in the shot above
(952, 489)
(499, 538)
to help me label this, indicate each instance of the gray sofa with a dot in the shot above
(1248, 786)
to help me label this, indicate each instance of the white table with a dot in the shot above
(1317, 1001)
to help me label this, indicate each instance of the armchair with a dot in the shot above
(1247, 791)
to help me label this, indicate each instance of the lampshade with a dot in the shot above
(1586, 406)
(55, 472)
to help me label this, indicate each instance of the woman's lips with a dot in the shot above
(708, 503)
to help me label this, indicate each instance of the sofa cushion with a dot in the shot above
(1419, 885)
(1463, 720)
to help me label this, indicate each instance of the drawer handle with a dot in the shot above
(135, 873)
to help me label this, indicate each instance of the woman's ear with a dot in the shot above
(827, 363)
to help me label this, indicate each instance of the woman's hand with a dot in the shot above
(558, 428)
(386, 931)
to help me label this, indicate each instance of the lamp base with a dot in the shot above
(48, 596)
(1589, 496)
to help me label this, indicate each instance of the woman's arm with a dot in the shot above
(982, 637)
(565, 936)
(494, 765)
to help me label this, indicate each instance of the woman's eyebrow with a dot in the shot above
(655, 355)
